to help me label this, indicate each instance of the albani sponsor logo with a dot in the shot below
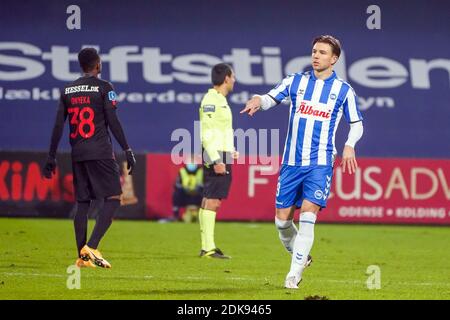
(303, 108)
(24, 61)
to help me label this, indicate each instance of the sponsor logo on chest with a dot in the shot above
(319, 110)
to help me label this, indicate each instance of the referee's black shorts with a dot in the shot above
(216, 186)
(96, 179)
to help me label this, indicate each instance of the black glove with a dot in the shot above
(49, 167)
(131, 160)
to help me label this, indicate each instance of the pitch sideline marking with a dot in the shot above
(52, 275)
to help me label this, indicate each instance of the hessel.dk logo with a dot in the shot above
(24, 61)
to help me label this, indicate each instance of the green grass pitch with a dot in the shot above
(159, 261)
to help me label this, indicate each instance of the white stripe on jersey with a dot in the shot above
(301, 91)
(307, 137)
(322, 154)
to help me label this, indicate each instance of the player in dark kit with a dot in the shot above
(90, 103)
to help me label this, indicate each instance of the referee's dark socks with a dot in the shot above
(80, 222)
(104, 220)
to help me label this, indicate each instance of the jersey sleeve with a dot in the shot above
(110, 106)
(281, 90)
(61, 115)
(208, 124)
(351, 107)
(109, 96)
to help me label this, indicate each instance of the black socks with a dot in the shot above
(104, 220)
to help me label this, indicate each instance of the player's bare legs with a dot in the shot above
(211, 204)
(303, 243)
(308, 206)
(285, 213)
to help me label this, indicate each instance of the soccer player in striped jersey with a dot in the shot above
(318, 100)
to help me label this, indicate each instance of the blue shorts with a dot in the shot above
(297, 183)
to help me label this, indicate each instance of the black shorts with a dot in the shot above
(216, 186)
(96, 179)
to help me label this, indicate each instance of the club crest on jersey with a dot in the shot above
(332, 96)
(112, 97)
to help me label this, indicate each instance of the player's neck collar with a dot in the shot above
(331, 77)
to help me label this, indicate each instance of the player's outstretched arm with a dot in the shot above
(252, 106)
(258, 102)
(269, 100)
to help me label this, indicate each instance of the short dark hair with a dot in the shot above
(219, 72)
(88, 59)
(332, 41)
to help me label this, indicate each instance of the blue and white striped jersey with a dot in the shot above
(316, 109)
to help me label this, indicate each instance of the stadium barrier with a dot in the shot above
(25, 192)
(388, 191)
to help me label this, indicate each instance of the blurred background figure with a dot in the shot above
(187, 192)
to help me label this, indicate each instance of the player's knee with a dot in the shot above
(82, 207)
(283, 213)
(308, 206)
(212, 204)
